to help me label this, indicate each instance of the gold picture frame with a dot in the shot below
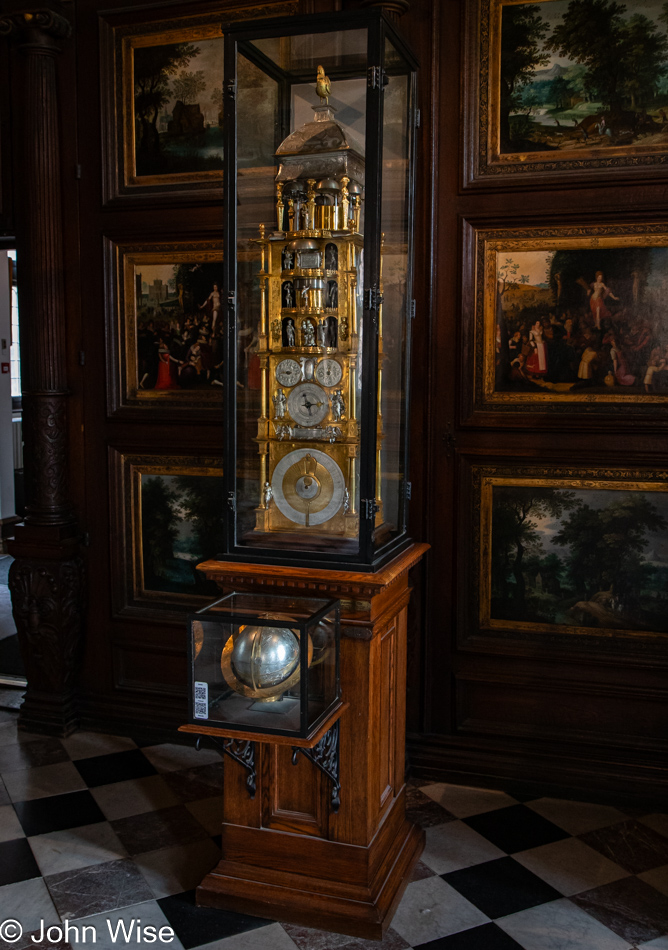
(547, 517)
(177, 322)
(179, 124)
(545, 306)
(149, 578)
(631, 139)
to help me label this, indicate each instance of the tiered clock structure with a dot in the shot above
(309, 341)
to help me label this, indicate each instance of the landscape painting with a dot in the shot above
(180, 525)
(587, 554)
(177, 104)
(576, 76)
(580, 319)
(173, 324)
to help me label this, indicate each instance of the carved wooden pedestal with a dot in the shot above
(287, 855)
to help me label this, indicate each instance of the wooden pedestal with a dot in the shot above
(286, 854)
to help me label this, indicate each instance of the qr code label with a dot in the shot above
(201, 701)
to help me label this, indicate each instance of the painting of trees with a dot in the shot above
(521, 55)
(580, 557)
(153, 68)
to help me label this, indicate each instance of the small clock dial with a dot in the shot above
(328, 372)
(308, 487)
(308, 404)
(288, 372)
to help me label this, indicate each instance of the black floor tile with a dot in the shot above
(58, 813)
(196, 925)
(487, 937)
(17, 862)
(516, 828)
(501, 887)
(114, 767)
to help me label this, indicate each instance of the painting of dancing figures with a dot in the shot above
(568, 321)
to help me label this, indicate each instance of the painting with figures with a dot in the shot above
(181, 525)
(178, 105)
(581, 319)
(582, 75)
(178, 341)
(554, 557)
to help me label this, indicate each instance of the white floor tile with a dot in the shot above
(85, 745)
(43, 781)
(570, 866)
(171, 758)
(76, 848)
(560, 925)
(143, 915)
(454, 845)
(272, 937)
(133, 797)
(431, 909)
(464, 801)
(209, 812)
(657, 822)
(576, 817)
(658, 878)
(174, 870)
(10, 826)
(28, 902)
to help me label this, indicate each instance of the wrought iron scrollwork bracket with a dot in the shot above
(325, 756)
(243, 752)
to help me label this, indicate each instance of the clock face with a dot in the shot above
(328, 372)
(308, 487)
(288, 372)
(308, 404)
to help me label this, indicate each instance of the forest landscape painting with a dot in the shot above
(582, 557)
(181, 525)
(582, 75)
(568, 321)
(178, 107)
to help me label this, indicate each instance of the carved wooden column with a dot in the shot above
(46, 579)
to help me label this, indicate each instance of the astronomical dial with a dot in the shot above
(308, 487)
(308, 404)
(328, 372)
(288, 372)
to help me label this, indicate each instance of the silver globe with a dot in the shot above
(264, 656)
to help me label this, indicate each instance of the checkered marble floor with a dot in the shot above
(100, 828)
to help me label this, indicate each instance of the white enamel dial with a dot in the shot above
(308, 404)
(288, 372)
(328, 372)
(308, 487)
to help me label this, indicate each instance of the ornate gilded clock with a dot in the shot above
(318, 195)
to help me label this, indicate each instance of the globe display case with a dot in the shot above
(264, 664)
(319, 120)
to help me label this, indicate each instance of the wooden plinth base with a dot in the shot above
(355, 909)
(287, 855)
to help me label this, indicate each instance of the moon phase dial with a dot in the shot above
(328, 372)
(308, 404)
(288, 372)
(308, 487)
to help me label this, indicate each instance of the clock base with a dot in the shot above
(287, 854)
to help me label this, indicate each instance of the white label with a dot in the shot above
(201, 700)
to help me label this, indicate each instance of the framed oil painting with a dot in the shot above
(170, 519)
(571, 319)
(565, 86)
(551, 558)
(168, 352)
(163, 100)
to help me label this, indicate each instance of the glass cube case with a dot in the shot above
(319, 126)
(264, 664)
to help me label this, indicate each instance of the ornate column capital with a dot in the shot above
(41, 28)
(393, 8)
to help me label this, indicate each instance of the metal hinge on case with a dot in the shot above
(369, 507)
(408, 490)
(412, 310)
(231, 299)
(418, 118)
(231, 88)
(373, 77)
(372, 299)
(232, 501)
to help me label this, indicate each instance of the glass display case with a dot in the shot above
(319, 119)
(264, 664)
